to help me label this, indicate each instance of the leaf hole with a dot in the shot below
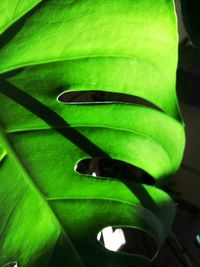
(128, 240)
(99, 97)
(11, 264)
(112, 168)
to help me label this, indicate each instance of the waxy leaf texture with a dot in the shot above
(50, 214)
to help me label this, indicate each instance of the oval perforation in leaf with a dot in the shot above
(122, 239)
(51, 214)
(11, 264)
(100, 97)
(111, 168)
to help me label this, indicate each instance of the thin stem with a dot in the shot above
(190, 169)
(181, 252)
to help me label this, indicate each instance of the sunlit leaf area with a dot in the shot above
(94, 97)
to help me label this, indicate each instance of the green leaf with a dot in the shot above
(84, 36)
(51, 214)
(12, 10)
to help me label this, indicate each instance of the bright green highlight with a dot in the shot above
(139, 36)
(49, 214)
(2, 153)
(12, 10)
(62, 200)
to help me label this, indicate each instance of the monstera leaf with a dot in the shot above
(50, 214)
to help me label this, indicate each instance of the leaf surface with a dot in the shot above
(51, 213)
(84, 36)
(12, 10)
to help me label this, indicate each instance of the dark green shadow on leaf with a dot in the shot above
(11, 32)
(51, 118)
